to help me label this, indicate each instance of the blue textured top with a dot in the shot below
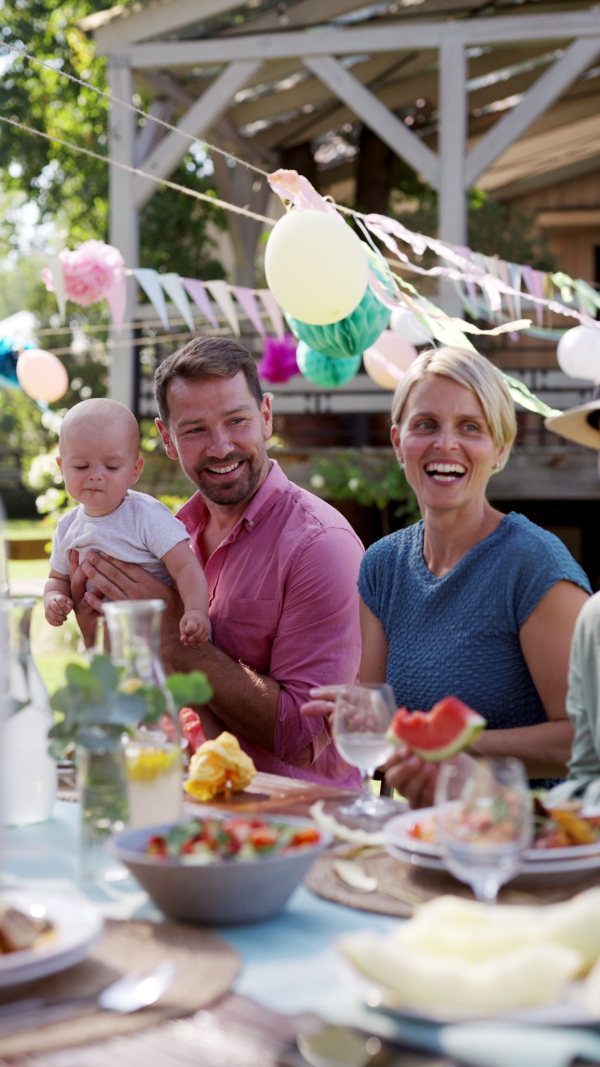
(459, 634)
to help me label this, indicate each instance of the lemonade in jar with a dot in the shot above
(154, 778)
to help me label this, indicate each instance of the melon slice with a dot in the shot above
(437, 734)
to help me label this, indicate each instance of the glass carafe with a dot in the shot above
(153, 751)
(28, 778)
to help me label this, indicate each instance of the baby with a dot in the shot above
(99, 459)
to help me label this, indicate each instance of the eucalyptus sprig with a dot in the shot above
(99, 694)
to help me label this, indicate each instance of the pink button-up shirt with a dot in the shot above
(283, 600)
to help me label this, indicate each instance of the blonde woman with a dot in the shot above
(468, 601)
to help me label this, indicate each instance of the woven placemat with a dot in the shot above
(419, 884)
(206, 967)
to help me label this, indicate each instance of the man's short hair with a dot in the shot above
(205, 357)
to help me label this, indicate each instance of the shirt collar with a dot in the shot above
(194, 514)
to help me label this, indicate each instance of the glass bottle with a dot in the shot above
(153, 751)
(28, 778)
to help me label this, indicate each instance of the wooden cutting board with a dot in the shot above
(271, 792)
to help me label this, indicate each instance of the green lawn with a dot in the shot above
(24, 569)
(27, 530)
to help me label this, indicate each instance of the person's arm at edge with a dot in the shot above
(583, 696)
(57, 585)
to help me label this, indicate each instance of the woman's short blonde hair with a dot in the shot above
(475, 372)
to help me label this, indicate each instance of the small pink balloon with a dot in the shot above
(388, 359)
(41, 375)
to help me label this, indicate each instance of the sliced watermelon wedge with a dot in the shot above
(437, 734)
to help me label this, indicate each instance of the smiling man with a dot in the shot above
(281, 567)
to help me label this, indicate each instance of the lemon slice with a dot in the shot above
(146, 764)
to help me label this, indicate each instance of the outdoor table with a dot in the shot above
(289, 965)
(290, 976)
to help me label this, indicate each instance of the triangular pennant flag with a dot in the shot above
(56, 270)
(587, 298)
(504, 275)
(117, 300)
(514, 273)
(471, 303)
(197, 292)
(247, 301)
(273, 311)
(150, 283)
(220, 291)
(172, 286)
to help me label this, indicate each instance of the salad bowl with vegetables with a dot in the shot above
(222, 869)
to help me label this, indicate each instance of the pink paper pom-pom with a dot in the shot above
(90, 272)
(279, 359)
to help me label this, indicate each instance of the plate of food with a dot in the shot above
(42, 934)
(569, 833)
(459, 960)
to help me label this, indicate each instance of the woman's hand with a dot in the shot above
(412, 777)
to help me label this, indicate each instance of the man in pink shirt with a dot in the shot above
(281, 567)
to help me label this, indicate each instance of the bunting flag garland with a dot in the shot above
(221, 293)
(198, 293)
(172, 286)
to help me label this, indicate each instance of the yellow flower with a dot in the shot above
(145, 764)
(217, 763)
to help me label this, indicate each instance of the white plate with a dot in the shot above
(77, 924)
(558, 873)
(397, 832)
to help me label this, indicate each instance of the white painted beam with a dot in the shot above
(536, 101)
(394, 37)
(452, 144)
(376, 116)
(123, 226)
(149, 135)
(200, 117)
(167, 16)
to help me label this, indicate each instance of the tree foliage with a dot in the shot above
(71, 189)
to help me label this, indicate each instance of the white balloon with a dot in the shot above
(388, 359)
(578, 353)
(316, 267)
(406, 324)
(41, 375)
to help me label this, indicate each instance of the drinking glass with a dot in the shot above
(361, 717)
(484, 819)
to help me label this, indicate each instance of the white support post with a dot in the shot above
(123, 227)
(173, 147)
(535, 102)
(375, 115)
(452, 141)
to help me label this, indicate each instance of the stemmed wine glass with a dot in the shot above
(484, 819)
(361, 717)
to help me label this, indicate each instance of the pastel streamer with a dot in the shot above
(273, 310)
(172, 286)
(117, 300)
(220, 291)
(197, 292)
(150, 283)
(247, 301)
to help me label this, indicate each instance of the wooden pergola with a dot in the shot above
(462, 90)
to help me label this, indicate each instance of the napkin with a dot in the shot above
(500, 1044)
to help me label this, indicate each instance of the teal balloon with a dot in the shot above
(327, 371)
(350, 336)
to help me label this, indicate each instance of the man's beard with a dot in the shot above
(229, 495)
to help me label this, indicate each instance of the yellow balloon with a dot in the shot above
(316, 267)
(41, 375)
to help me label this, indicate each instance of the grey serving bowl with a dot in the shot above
(222, 893)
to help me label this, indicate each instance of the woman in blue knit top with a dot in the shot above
(469, 601)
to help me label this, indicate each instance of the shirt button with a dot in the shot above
(250, 522)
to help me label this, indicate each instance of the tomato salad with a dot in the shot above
(202, 841)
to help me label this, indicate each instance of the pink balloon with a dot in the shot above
(388, 359)
(41, 375)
